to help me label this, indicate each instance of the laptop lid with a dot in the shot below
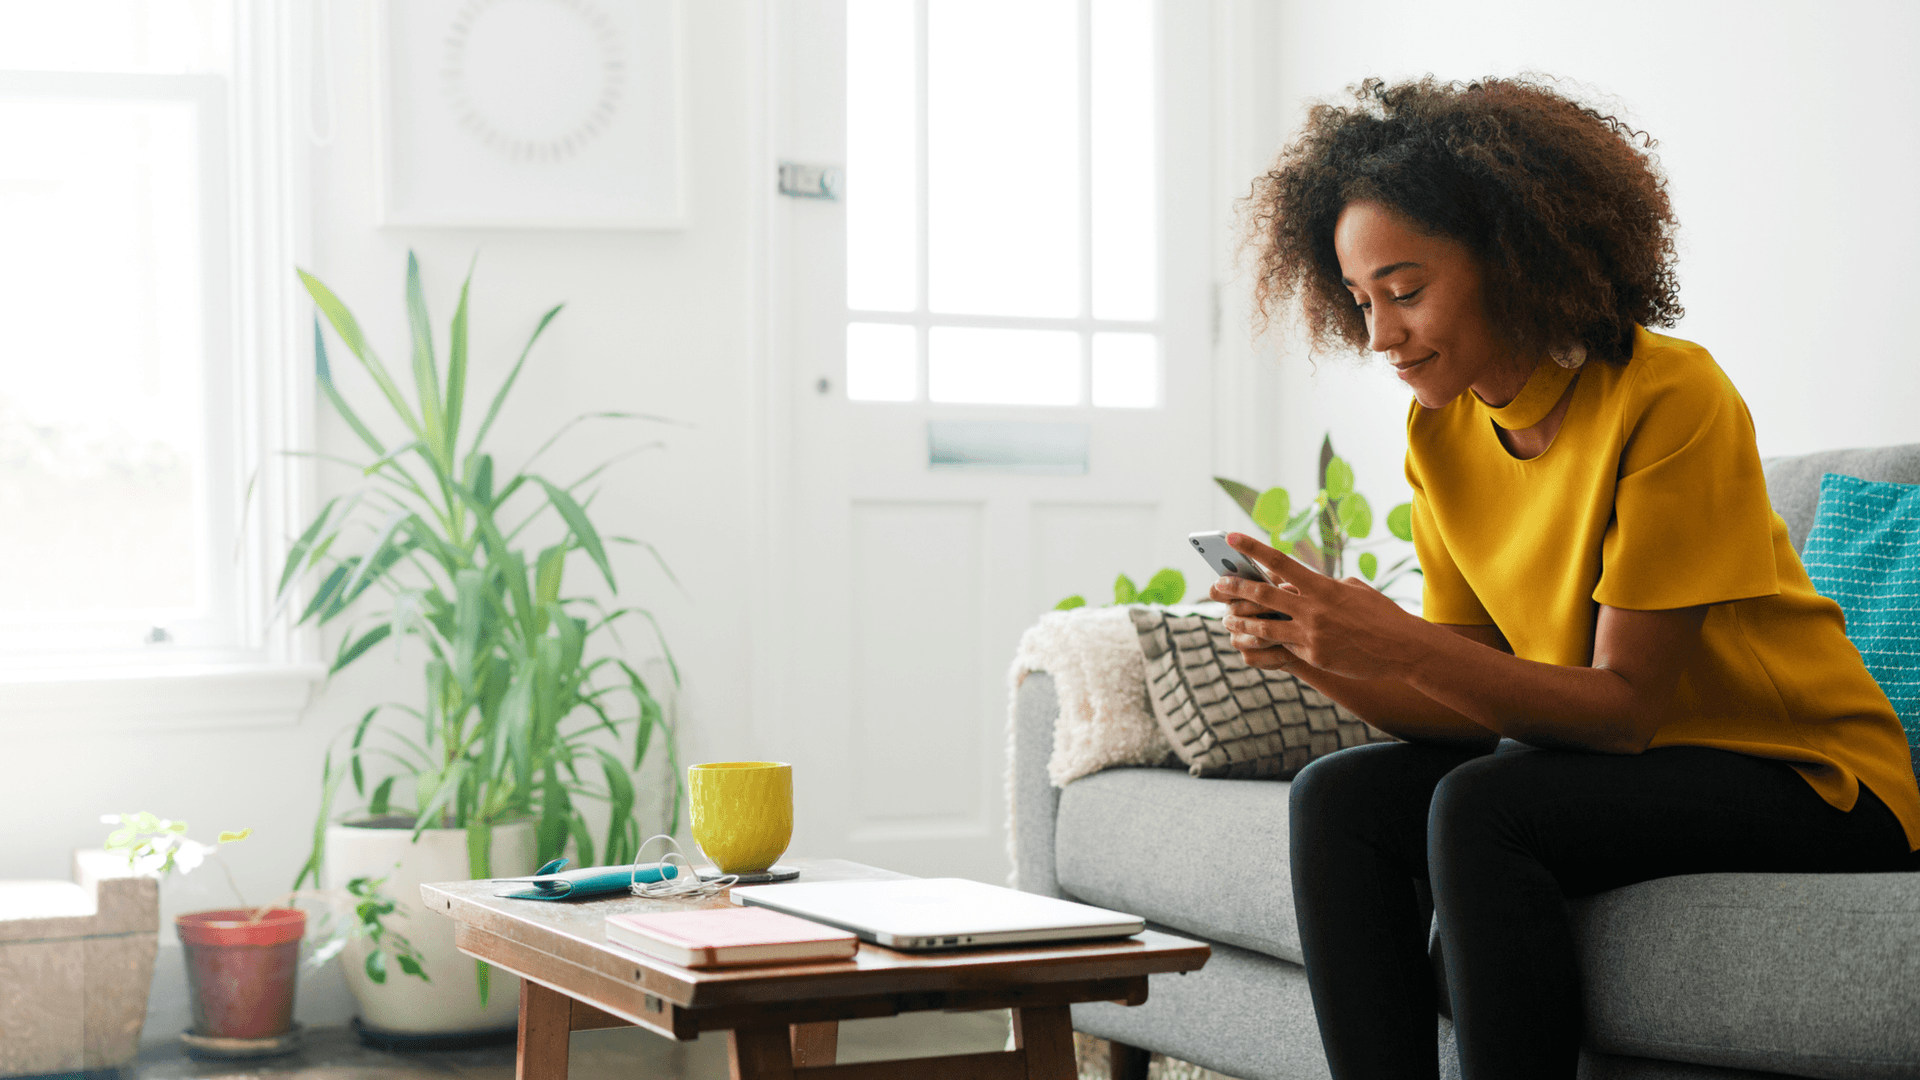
(916, 914)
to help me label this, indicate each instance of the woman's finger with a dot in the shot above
(1277, 658)
(1280, 567)
(1269, 597)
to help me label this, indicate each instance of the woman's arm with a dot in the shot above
(1350, 633)
(1388, 704)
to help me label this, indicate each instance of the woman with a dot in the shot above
(1609, 597)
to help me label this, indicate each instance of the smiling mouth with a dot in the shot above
(1404, 369)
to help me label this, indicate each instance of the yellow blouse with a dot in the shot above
(1651, 497)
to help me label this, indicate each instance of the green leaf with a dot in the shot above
(576, 519)
(329, 585)
(377, 966)
(500, 396)
(1247, 497)
(426, 374)
(329, 785)
(1339, 479)
(377, 806)
(348, 328)
(1369, 565)
(1400, 521)
(620, 801)
(457, 368)
(323, 375)
(1356, 516)
(1273, 509)
(350, 653)
(411, 966)
(1169, 586)
(479, 849)
(231, 837)
(483, 478)
(481, 980)
(1124, 591)
(1298, 527)
(303, 545)
(1071, 602)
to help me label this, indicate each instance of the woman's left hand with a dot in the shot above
(1346, 627)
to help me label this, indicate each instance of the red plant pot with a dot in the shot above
(241, 970)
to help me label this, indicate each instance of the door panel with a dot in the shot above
(909, 584)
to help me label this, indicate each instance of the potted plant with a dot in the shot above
(1338, 514)
(243, 963)
(528, 711)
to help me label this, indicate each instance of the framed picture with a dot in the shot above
(531, 114)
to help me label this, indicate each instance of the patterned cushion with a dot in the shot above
(1227, 719)
(1864, 553)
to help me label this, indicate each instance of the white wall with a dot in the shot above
(660, 322)
(1787, 132)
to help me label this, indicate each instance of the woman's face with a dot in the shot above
(1424, 306)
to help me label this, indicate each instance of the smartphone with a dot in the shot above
(1227, 562)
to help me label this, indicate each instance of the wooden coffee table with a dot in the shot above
(782, 1021)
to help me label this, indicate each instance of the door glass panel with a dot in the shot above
(1003, 157)
(882, 157)
(880, 362)
(1124, 189)
(1125, 372)
(990, 366)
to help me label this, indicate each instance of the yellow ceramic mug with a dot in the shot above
(742, 812)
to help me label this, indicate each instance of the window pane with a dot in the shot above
(1003, 367)
(880, 362)
(114, 35)
(882, 227)
(1003, 158)
(1125, 211)
(1126, 371)
(101, 390)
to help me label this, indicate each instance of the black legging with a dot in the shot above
(1503, 839)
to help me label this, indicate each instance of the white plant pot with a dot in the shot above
(450, 1004)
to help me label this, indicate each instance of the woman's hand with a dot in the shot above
(1345, 627)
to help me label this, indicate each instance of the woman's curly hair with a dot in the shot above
(1569, 217)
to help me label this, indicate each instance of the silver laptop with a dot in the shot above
(916, 914)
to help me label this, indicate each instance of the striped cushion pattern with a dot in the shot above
(1864, 553)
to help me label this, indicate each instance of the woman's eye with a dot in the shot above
(1406, 297)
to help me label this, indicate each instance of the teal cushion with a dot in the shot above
(1864, 553)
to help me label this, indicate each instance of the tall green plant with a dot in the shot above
(524, 705)
(1342, 515)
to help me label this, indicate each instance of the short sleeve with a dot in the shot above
(1445, 596)
(1692, 523)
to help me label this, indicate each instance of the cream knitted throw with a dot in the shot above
(1100, 676)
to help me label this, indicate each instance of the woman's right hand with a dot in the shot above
(1259, 652)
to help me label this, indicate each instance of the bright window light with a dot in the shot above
(1126, 371)
(990, 366)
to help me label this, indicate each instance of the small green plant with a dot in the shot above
(158, 846)
(1166, 587)
(1338, 515)
(370, 907)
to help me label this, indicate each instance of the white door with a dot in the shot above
(996, 375)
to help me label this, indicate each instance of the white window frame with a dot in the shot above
(264, 390)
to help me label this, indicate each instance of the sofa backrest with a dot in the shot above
(1794, 482)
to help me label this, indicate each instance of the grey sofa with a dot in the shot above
(1711, 975)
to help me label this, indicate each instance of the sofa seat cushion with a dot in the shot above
(1805, 974)
(1207, 857)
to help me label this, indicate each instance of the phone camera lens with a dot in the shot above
(1228, 563)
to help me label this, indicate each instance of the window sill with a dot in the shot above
(149, 699)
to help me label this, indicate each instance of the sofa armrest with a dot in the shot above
(1036, 802)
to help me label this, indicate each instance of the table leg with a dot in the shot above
(545, 1021)
(760, 1053)
(815, 1044)
(1046, 1034)
(1127, 1062)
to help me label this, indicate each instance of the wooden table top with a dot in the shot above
(573, 931)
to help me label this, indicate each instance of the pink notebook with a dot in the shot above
(721, 937)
